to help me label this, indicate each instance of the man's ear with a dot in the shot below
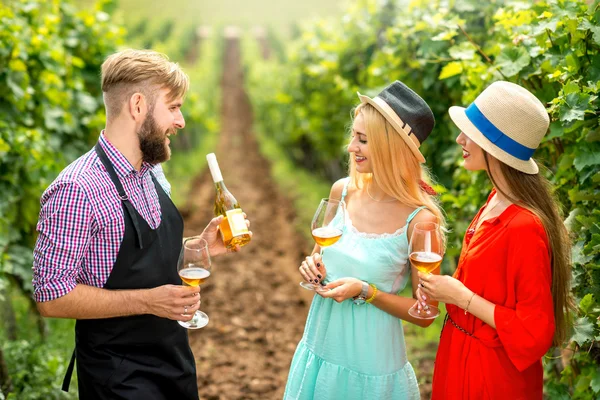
(138, 107)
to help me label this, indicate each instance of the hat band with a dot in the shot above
(406, 129)
(496, 136)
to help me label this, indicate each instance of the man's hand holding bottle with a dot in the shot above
(211, 234)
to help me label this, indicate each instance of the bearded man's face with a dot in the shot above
(153, 140)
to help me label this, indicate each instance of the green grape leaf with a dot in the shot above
(595, 384)
(16, 89)
(574, 107)
(463, 51)
(556, 131)
(451, 69)
(586, 303)
(587, 25)
(584, 331)
(512, 60)
(585, 158)
(593, 136)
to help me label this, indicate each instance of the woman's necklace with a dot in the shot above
(378, 201)
(488, 210)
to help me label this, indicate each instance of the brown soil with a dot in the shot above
(256, 308)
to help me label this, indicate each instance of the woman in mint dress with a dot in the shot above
(352, 349)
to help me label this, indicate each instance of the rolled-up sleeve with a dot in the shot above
(526, 331)
(64, 236)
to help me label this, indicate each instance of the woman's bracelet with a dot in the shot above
(370, 299)
(469, 303)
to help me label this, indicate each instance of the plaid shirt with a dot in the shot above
(81, 221)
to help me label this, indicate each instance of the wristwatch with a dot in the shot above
(362, 297)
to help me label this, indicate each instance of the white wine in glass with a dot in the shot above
(326, 227)
(326, 236)
(194, 276)
(194, 269)
(426, 250)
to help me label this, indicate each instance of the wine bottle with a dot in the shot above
(233, 228)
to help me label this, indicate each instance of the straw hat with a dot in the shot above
(407, 112)
(507, 121)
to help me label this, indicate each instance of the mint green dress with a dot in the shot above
(353, 351)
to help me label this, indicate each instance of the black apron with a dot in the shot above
(142, 356)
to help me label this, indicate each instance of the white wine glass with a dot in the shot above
(326, 228)
(426, 250)
(194, 269)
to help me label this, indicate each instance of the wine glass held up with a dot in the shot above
(326, 228)
(194, 268)
(426, 250)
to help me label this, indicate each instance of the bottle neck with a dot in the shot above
(220, 186)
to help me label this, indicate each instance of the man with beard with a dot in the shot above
(109, 241)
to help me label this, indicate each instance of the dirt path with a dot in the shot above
(256, 308)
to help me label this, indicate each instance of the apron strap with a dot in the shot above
(69, 374)
(122, 195)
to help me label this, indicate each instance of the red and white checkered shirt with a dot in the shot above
(81, 221)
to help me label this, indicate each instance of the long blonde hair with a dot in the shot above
(396, 169)
(534, 192)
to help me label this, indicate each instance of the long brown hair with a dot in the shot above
(534, 192)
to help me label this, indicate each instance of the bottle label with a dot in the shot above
(237, 222)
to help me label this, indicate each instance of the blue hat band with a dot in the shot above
(496, 136)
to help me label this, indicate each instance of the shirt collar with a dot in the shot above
(121, 164)
(506, 215)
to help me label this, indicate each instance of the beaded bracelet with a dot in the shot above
(370, 299)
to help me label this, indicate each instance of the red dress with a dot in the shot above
(506, 261)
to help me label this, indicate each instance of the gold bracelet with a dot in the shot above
(469, 303)
(370, 299)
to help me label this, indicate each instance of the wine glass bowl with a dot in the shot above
(326, 229)
(426, 251)
(326, 236)
(194, 268)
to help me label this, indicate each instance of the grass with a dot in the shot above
(277, 14)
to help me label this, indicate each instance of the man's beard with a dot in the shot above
(152, 142)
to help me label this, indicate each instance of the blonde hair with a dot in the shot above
(397, 170)
(139, 71)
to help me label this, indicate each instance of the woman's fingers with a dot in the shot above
(426, 277)
(304, 272)
(318, 262)
(315, 273)
(421, 296)
(421, 300)
(336, 294)
(334, 284)
(427, 292)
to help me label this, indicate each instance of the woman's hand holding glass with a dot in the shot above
(426, 250)
(326, 227)
(342, 289)
(313, 269)
(445, 289)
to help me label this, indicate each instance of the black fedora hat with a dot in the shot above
(407, 112)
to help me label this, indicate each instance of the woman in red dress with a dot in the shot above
(508, 302)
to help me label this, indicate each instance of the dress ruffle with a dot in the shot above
(315, 378)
